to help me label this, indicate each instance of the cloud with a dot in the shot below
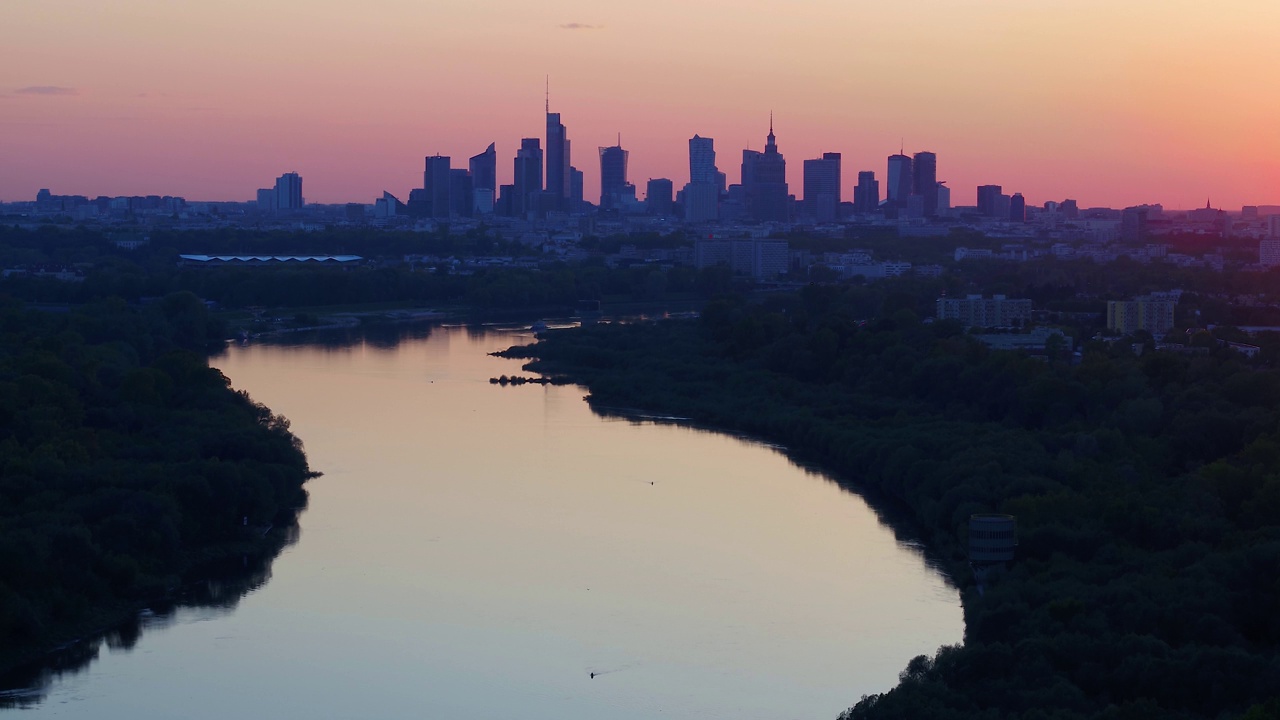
(46, 90)
(580, 26)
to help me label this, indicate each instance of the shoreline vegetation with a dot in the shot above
(1146, 489)
(131, 473)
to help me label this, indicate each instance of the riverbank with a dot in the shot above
(1139, 522)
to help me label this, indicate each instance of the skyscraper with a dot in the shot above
(924, 181)
(288, 192)
(900, 179)
(866, 195)
(462, 201)
(702, 160)
(557, 159)
(657, 196)
(575, 189)
(764, 181)
(989, 199)
(822, 187)
(528, 176)
(484, 178)
(1017, 208)
(613, 174)
(435, 180)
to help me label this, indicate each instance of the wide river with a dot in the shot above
(475, 551)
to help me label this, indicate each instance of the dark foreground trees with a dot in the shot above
(126, 462)
(1147, 491)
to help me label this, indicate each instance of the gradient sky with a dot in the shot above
(1112, 102)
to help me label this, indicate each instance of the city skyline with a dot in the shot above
(1149, 103)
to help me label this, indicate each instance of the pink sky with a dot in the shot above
(1112, 103)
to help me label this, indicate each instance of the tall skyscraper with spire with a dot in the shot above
(900, 179)
(557, 157)
(764, 181)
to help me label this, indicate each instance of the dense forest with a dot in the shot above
(127, 466)
(1146, 489)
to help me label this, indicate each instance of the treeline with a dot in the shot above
(126, 463)
(1147, 490)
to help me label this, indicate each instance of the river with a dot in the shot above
(476, 551)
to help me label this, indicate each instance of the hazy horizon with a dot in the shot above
(1153, 102)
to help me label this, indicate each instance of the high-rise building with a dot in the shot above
(1017, 208)
(822, 188)
(924, 181)
(658, 197)
(435, 180)
(1070, 210)
(989, 199)
(702, 160)
(613, 175)
(528, 176)
(1133, 224)
(764, 181)
(484, 179)
(461, 193)
(866, 194)
(944, 199)
(575, 190)
(288, 192)
(900, 179)
(701, 202)
(1150, 313)
(557, 160)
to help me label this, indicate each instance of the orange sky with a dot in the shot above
(1112, 103)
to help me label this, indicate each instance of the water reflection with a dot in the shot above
(214, 590)
(475, 551)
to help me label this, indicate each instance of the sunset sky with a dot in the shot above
(1112, 103)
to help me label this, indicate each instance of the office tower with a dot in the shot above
(461, 195)
(289, 192)
(1017, 208)
(701, 202)
(899, 179)
(924, 181)
(528, 176)
(866, 194)
(613, 175)
(266, 199)
(1133, 224)
(1070, 210)
(484, 178)
(505, 206)
(557, 160)
(575, 189)
(702, 160)
(989, 199)
(822, 188)
(657, 196)
(944, 199)
(764, 181)
(435, 180)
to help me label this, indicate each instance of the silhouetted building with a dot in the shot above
(528, 176)
(866, 194)
(701, 202)
(435, 180)
(613, 175)
(288, 192)
(461, 195)
(944, 199)
(702, 160)
(764, 182)
(1133, 224)
(575, 190)
(1070, 210)
(900, 179)
(506, 205)
(989, 199)
(658, 197)
(822, 188)
(924, 181)
(1017, 208)
(558, 182)
(484, 179)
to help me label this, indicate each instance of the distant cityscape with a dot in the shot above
(547, 188)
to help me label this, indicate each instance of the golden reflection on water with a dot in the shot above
(475, 551)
